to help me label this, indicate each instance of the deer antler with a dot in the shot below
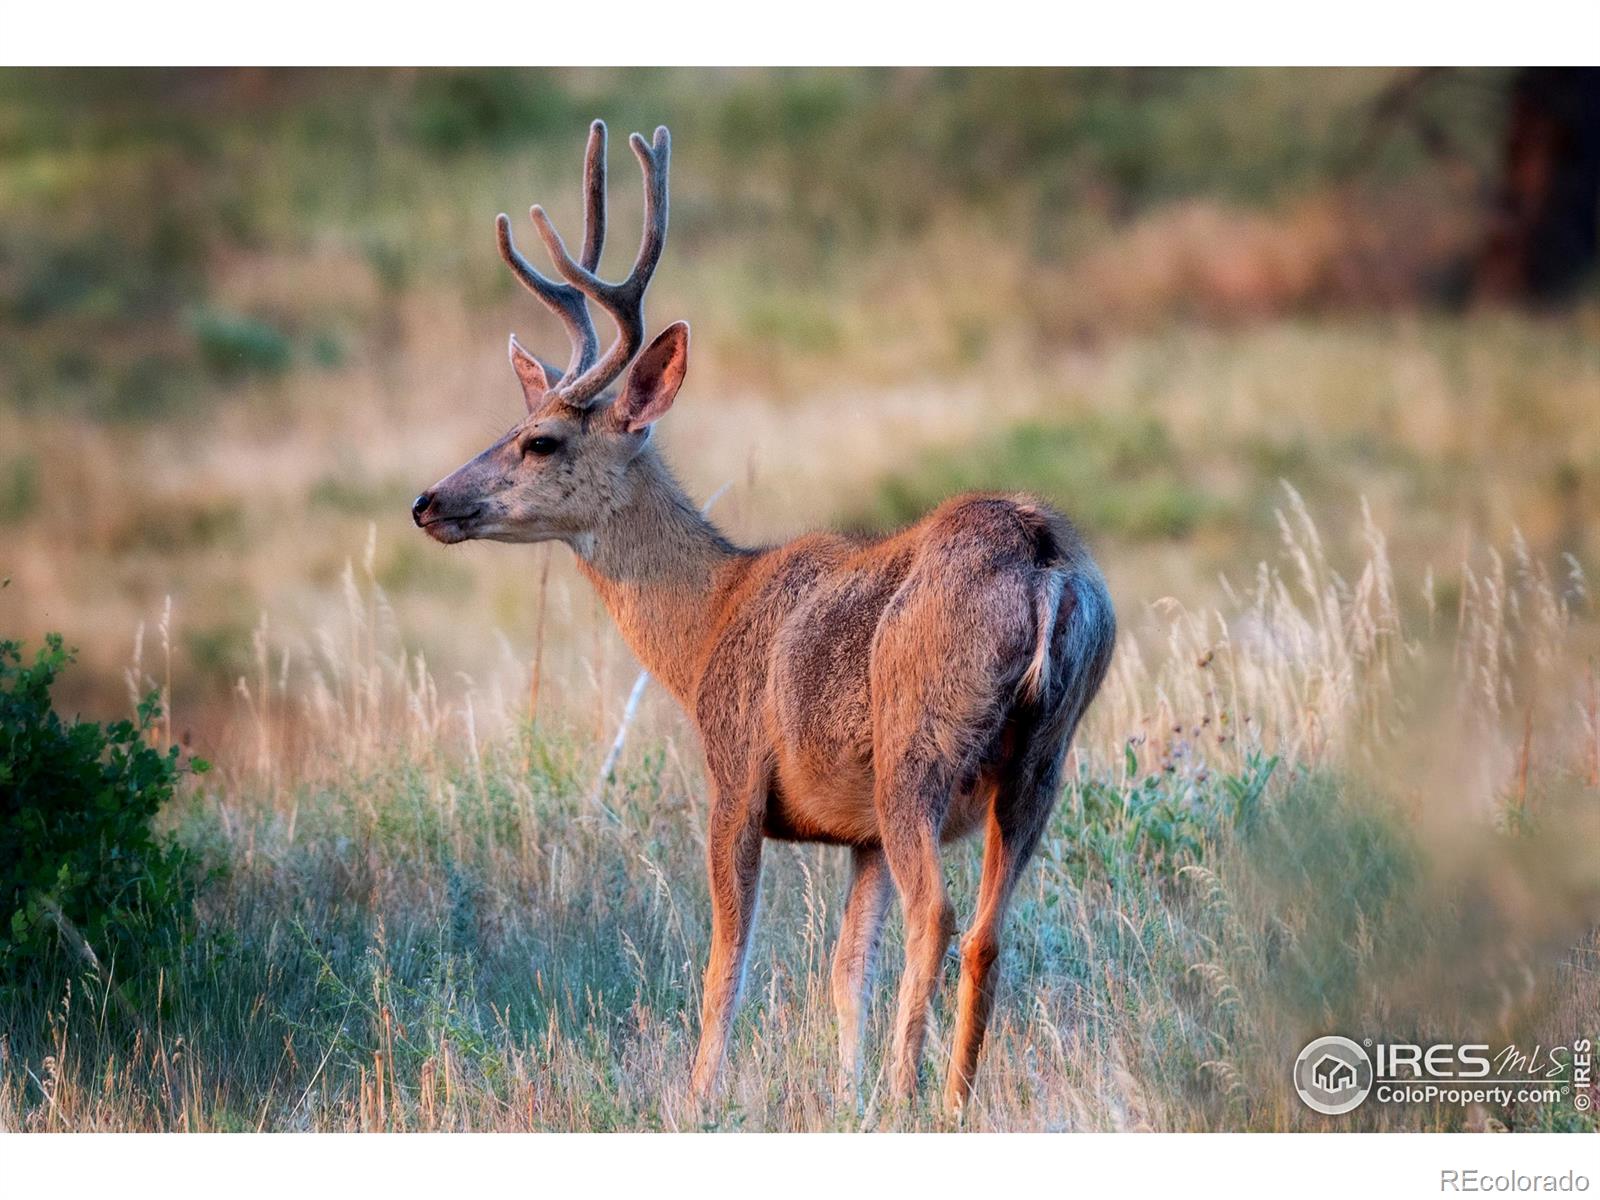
(564, 300)
(586, 375)
(624, 301)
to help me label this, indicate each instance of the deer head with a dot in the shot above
(571, 460)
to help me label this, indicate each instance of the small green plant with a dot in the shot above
(1158, 824)
(83, 874)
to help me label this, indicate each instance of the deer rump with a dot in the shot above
(945, 654)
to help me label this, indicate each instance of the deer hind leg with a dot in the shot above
(934, 690)
(733, 850)
(864, 909)
(910, 817)
(1017, 817)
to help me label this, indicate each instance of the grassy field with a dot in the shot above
(1345, 775)
(1291, 815)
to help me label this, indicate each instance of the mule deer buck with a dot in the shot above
(888, 695)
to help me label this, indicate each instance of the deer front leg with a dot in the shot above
(864, 909)
(733, 845)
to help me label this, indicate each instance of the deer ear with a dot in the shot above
(531, 373)
(654, 380)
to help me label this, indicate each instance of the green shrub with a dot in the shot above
(452, 110)
(1347, 883)
(78, 855)
(234, 345)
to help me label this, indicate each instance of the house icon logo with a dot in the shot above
(1333, 1075)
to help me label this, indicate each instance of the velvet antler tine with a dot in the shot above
(653, 162)
(566, 301)
(576, 275)
(594, 197)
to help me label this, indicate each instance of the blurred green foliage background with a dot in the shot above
(123, 191)
(246, 313)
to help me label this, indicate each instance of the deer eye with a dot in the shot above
(541, 446)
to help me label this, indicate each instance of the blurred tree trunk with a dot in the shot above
(1544, 236)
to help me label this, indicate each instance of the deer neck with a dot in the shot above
(659, 566)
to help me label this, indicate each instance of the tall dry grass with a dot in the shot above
(1296, 812)
(1455, 431)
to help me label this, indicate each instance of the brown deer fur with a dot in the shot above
(884, 694)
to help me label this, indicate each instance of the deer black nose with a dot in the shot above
(420, 506)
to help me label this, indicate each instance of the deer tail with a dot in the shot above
(1046, 606)
(1075, 626)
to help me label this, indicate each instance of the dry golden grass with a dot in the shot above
(1295, 812)
(1453, 432)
